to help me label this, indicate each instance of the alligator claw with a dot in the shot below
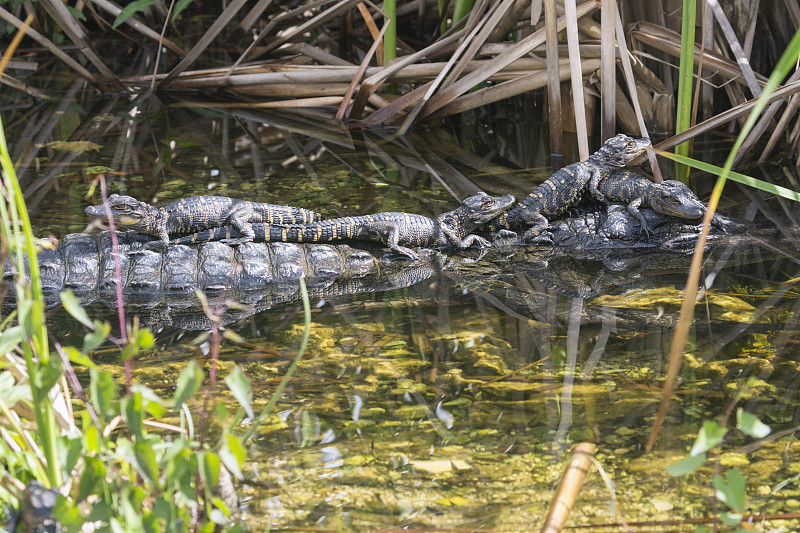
(154, 246)
(480, 242)
(407, 252)
(505, 234)
(481, 254)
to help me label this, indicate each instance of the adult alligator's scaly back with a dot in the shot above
(398, 231)
(670, 197)
(197, 213)
(563, 189)
(83, 262)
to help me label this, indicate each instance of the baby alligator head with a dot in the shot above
(480, 208)
(676, 199)
(620, 150)
(128, 213)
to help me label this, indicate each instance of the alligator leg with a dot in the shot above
(633, 209)
(240, 218)
(466, 242)
(505, 234)
(594, 182)
(391, 242)
(387, 233)
(538, 233)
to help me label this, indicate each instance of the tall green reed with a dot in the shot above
(686, 75)
(390, 37)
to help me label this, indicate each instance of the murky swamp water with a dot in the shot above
(452, 401)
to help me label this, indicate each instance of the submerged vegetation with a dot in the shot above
(313, 79)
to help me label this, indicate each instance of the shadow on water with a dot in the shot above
(449, 397)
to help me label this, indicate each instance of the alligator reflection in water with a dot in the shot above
(158, 283)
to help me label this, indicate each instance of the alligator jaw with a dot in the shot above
(676, 199)
(619, 151)
(128, 212)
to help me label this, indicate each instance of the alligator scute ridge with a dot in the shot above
(83, 262)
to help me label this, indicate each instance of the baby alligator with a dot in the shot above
(670, 197)
(197, 213)
(395, 230)
(563, 189)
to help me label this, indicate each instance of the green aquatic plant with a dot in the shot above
(729, 488)
(43, 368)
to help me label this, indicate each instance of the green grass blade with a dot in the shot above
(735, 176)
(14, 221)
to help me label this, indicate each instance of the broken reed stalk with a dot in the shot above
(625, 59)
(570, 486)
(726, 116)
(133, 22)
(499, 62)
(205, 41)
(553, 86)
(58, 11)
(288, 74)
(466, 49)
(766, 123)
(519, 85)
(736, 48)
(52, 48)
(570, 11)
(667, 41)
(608, 71)
(340, 114)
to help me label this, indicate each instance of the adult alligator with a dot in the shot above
(159, 283)
(197, 213)
(565, 188)
(85, 263)
(398, 231)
